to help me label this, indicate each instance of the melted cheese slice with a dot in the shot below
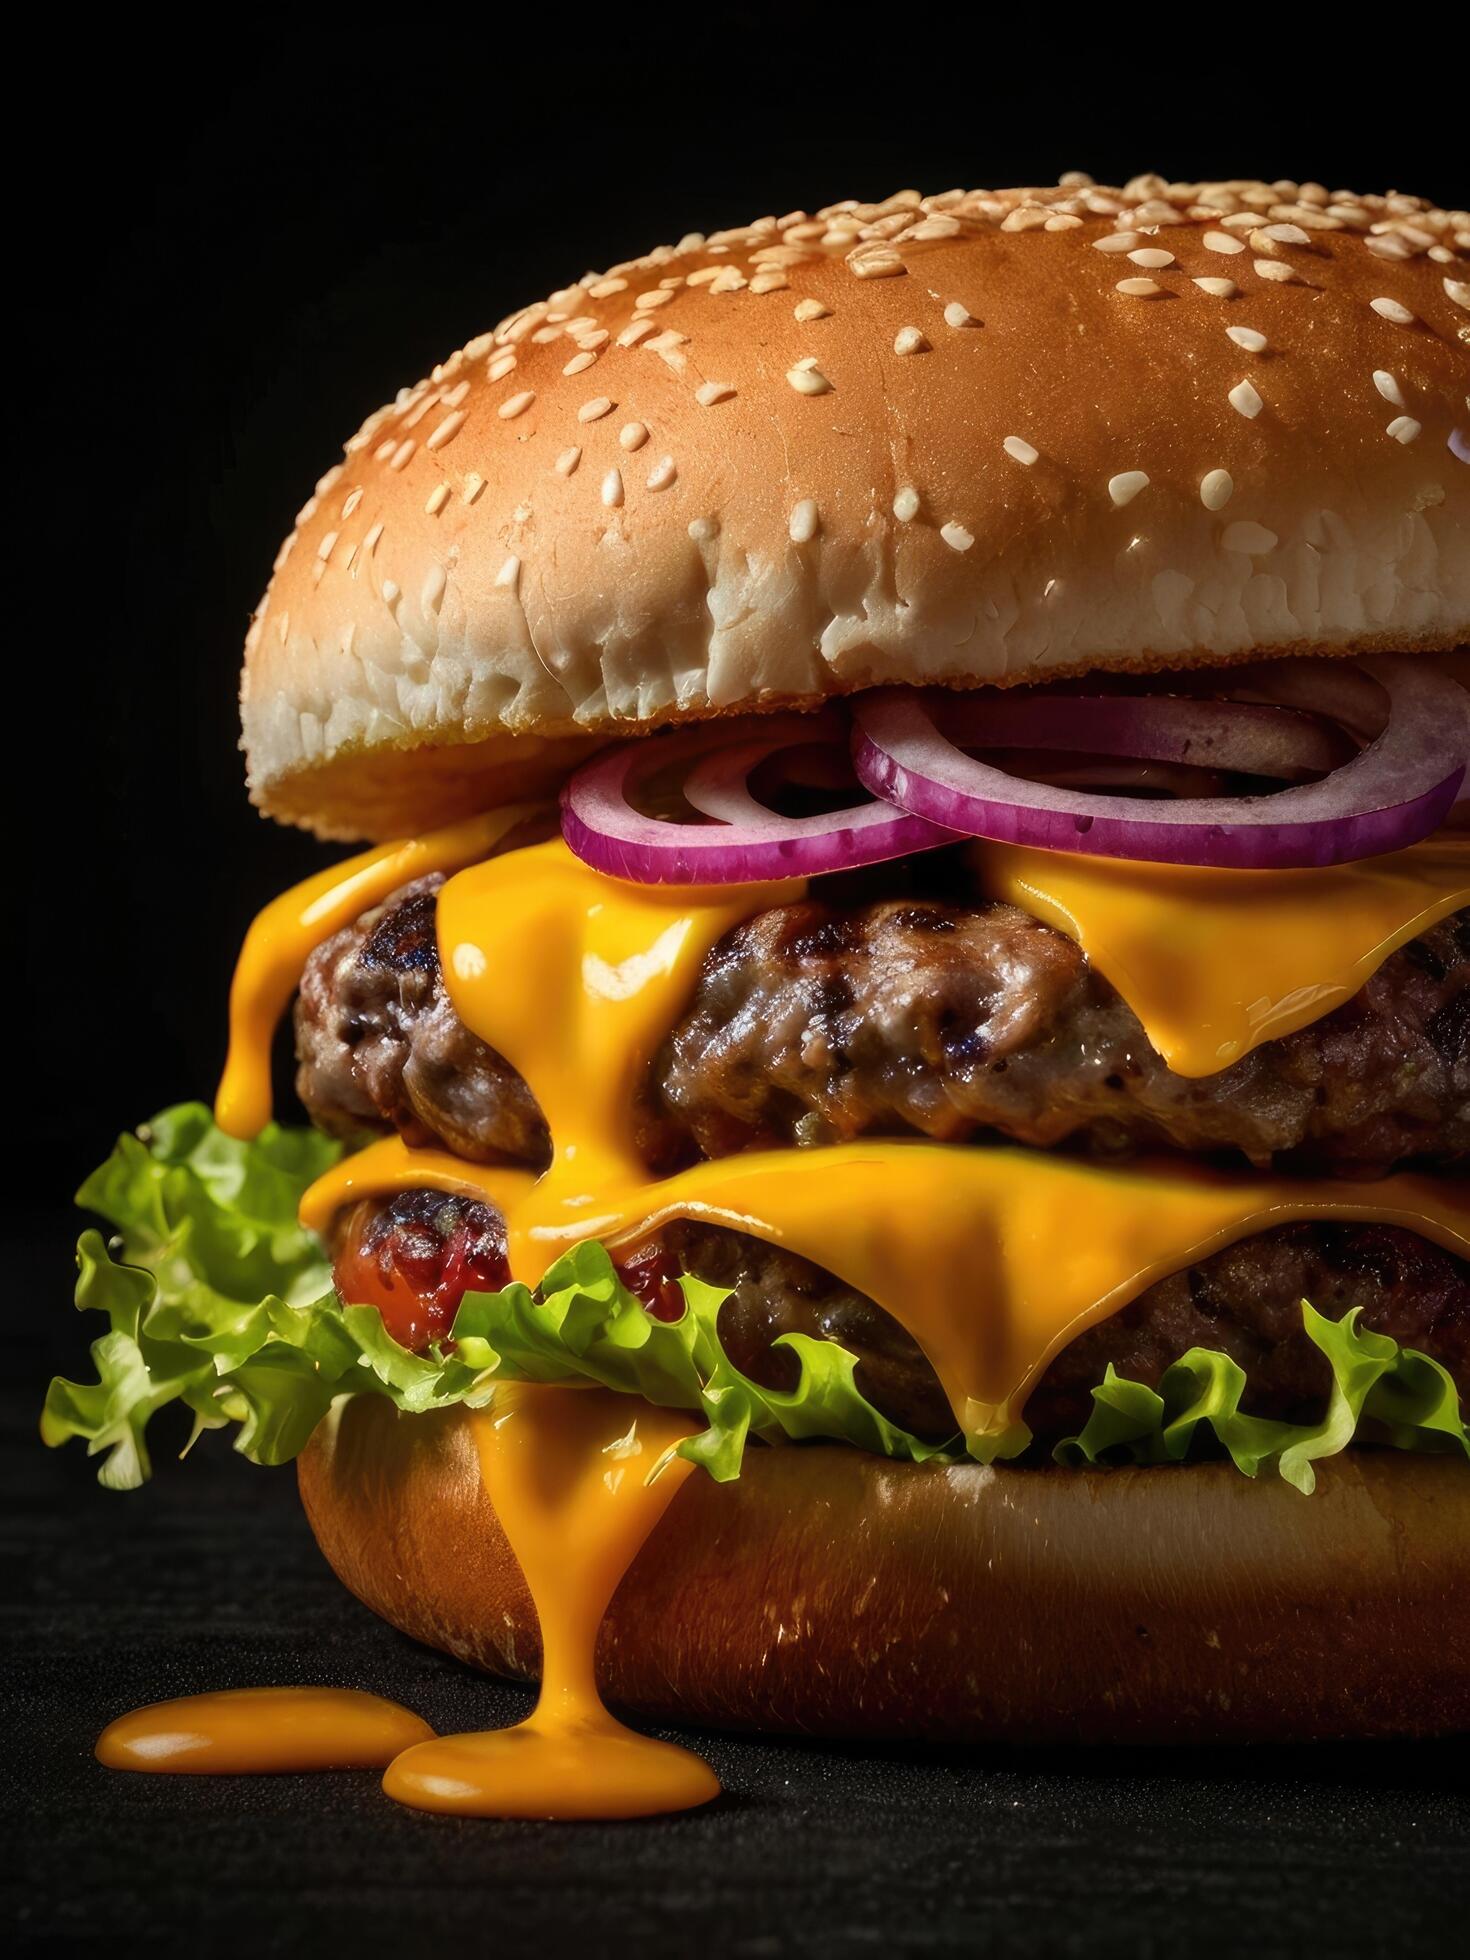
(1213, 963)
(993, 1258)
(282, 938)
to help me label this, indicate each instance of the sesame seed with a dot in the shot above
(1386, 384)
(567, 462)
(1216, 489)
(662, 474)
(392, 593)
(1403, 428)
(1218, 288)
(1124, 487)
(594, 410)
(399, 459)
(1250, 539)
(1245, 401)
(1020, 450)
(515, 405)
(633, 435)
(1151, 256)
(612, 489)
(1140, 288)
(956, 536)
(771, 281)
(354, 498)
(474, 483)
(810, 309)
(1459, 291)
(447, 430)
(605, 288)
(906, 504)
(325, 548)
(500, 367)
(509, 573)
(1118, 241)
(803, 524)
(660, 296)
(806, 379)
(370, 542)
(1248, 338)
(635, 331)
(438, 498)
(1221, 241)
(1392, 309)
(702, 529)
(579, 363)
(431, 594)
(710, 392)
(956, 314)
(1274, 270)
(908, 340)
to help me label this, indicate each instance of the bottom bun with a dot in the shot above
(834, 1593)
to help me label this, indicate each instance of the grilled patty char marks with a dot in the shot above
(813, 1023)
(1245, 1301)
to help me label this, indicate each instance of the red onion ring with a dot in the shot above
(751, 842)
(1230, 736)
(1395, 791)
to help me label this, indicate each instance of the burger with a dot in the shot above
(889, 1105)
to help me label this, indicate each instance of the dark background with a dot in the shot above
(226, 257)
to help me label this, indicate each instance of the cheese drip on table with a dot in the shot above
(567, 1470)
(992, 1258)
(261, 1731)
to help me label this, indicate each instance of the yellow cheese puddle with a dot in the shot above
(260, 1732)
(565, 1470)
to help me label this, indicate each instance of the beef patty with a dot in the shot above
(415, 1255)
(817, 1023)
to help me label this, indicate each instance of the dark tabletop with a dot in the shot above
(209, 1578)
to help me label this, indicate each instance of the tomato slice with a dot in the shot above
(416, 1257)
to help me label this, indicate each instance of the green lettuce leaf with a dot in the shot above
(217, 1299)
(1385, 1392)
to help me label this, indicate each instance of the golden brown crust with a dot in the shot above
(636, 502)
(830, 1592)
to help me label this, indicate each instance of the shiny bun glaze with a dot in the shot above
(831, 1592)
(979, 437)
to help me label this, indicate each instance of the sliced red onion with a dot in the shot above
(749, 842)
(1233, 736)
(1397, 790)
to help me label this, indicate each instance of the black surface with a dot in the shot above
(209, 1578)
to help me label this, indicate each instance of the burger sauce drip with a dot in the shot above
(566, 1470)
(257, 1731)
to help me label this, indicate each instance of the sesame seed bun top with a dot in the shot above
(983, 437)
